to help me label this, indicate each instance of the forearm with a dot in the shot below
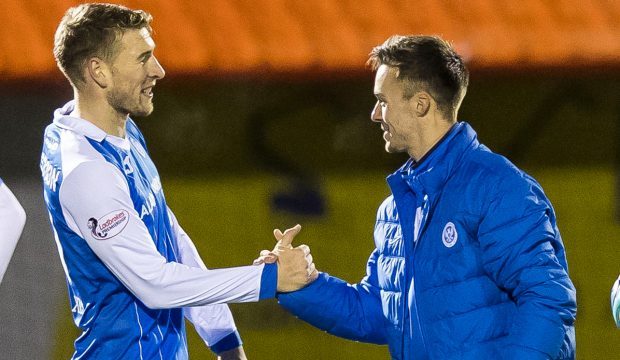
(177, 285)
(341, 309)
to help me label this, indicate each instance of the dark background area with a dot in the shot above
(210, 125)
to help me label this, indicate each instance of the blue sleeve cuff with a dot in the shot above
(268, 282)
(229, 342)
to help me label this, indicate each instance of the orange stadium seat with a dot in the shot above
(284, 37)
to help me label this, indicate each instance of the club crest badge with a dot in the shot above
(109, 225)
(449, 235)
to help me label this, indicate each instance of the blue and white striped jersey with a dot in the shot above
(132, 272)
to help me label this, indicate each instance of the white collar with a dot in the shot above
(84, 127)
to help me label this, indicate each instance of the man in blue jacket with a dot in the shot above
(469, 262)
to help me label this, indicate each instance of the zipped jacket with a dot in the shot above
(468, 264)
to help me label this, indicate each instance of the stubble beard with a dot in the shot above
(125, 104)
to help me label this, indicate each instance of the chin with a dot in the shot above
(142, 112)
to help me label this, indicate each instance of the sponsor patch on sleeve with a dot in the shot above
(109, 225)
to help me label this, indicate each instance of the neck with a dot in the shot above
(428, 136)
(100, 113)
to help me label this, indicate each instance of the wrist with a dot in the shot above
(268, 281)
(228, 343)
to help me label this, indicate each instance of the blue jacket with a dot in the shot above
(468, 264)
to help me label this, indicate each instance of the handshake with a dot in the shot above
(295, 266)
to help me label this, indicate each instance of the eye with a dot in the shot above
(144, 59)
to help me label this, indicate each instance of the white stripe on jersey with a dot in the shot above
(141, 331)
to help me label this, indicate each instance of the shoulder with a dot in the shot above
(93, 176)
(500, 179)
(489, 167)
(66, 149)
(93, 181)
(94, 173)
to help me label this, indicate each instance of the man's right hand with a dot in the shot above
(296, 268)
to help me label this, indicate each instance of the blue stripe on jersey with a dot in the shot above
(115, 324)
(269, 281)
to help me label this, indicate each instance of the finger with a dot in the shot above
(265, 252)
(289, 235)
(277, 234)
(309, 259)
(311, 269)
(270, 259)
(313, 276)
(305, 249)
(266, 259)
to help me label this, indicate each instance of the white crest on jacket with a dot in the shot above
(449, 235)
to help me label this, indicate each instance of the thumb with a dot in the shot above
(289, 235)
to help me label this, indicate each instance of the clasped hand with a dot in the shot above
(295, 266)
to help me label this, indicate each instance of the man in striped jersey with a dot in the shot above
(133, 274)
(12, 221)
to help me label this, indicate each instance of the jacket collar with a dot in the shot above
(429, 175)
(64, 119)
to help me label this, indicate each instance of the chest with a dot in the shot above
(148, 197)
(436, 237)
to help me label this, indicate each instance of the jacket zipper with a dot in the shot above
(424, 215)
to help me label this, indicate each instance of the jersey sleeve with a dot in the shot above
(214, 323)
(12, 221)
(97, 205)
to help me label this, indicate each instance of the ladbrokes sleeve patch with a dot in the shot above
(108, 225)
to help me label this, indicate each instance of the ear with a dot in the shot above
(421, 102)
(98, 71)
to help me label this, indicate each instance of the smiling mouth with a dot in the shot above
(147, 91)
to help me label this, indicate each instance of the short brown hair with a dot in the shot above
(426, 63)
(91, 30)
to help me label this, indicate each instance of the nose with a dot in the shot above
(375, 114)
(157, 71)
